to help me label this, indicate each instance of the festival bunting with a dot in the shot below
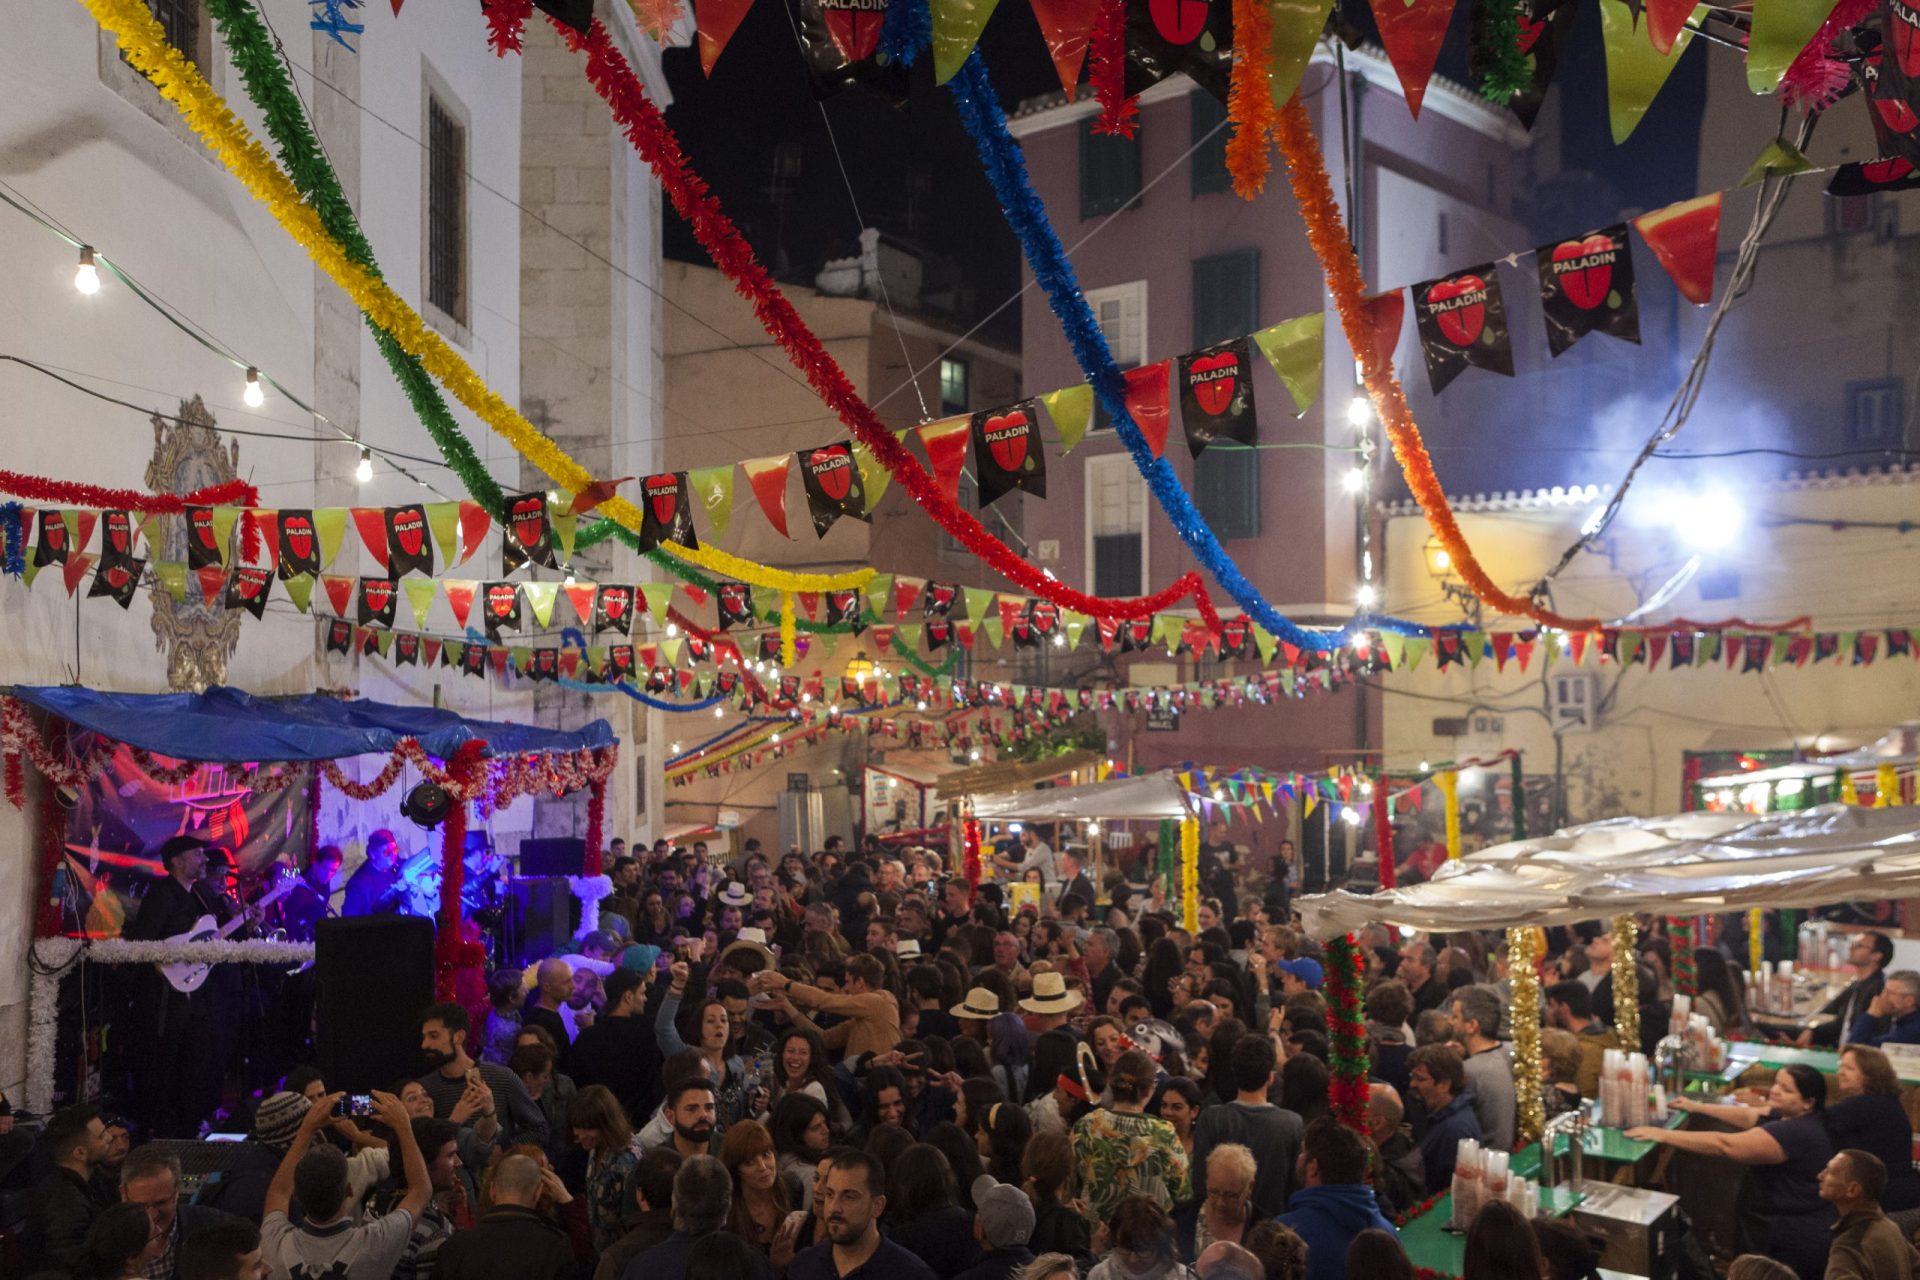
(1462, 322)
(1216, 396)
(528, 537)
(408, 548)
(767, 477)
(833, 486)
(667, 514)
(1007, 453)
(1586, 286)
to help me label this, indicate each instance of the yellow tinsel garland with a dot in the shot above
(1190, 874)
(1523, 976)
(1626, 981)
(145, 45)
(789, 648)
(1449, 784)
(1886, 787)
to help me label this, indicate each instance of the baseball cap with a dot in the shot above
(1306, 969)
(1006, 1214)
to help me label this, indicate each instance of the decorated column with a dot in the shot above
(1347, 1090)
(1523, 975)
(1449, 783)
(458, 956)
(1190, 874)
(1626, 981)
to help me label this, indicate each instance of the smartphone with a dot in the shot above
(358, 1106)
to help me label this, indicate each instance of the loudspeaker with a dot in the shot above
(1316, 839)
(553, 856)
(376, 975)
(540, 918)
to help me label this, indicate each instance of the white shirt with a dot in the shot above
(1041, 856)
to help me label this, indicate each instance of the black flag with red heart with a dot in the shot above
(116, 538)
(1007, 453)
(1216, 396)
(1022, 634)
(1462, 322)
(500, 607)
(299, 545)
(1541, 33)
(473, 660)
(838, 39)
(936, 599)
(619, 662)
(528, 537)
(52, 547)
(119, 579)
(613, 609)
(203, 542)
(1586, 286)
(248, 588)
(1043, 616)
(1234, 633)
(544, 665)
(735, 602)
(409, 549)
(666, 512)
(726, 682)
(770, 647)
(406, 650)
(1900, 65)
(339, 636)
(1890, 96)
(939, 632)
(1165, 36)
(1136, 634)
(1896, 173)
(846, 607)
(378, 596)
(698, 650)
(831, 479)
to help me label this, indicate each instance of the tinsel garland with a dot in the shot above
(363, 791)
(1686, 973)
(1626, 979)
(1849, 793)
(657, 17)
(53, 847)
(1505, 72)
(1417, 1211)
(1449, 784)
(789, 655)
(1523, 978)
(1326, 232)
(621, 686)
(1107, 71)
(1756, 938)
(1347, 1056)
(1383, 831)
(1190, 874)
(73, 493)
(970, 863)
(905, 31)
(1249, 100)
(145, 46)
(1518, 780)
(16, 780)
(13, 540)
(1815, 79)
(458, 955)
(596, 828)
(1886, 786)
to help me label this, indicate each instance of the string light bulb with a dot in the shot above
(364, 472)
(255, 395)
(1366, 595)
(673, 629)
(1355, 480)
(1359, 413)
(718, 712)
(86, 278)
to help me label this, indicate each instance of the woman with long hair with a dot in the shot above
(1500, 1246)
(882, 1101)
(800, 1066)
(761, 1197)
(118, 1245)
(1784, 1147)
(924, 1215)
(599, 1126)
(1121, 1152)
(1180, 1107)
(977, 1094)
(1143, 1245)
(1869, 1116)
(1002, 1138)
(1046, 1168)
(1720, 1000)
(1303, 1086)
(801, 1135)
(712, 1033)
(1164, 969)
(963, 1157)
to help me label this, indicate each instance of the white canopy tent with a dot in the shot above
(1896, 747)
(1149, 797)
(1680, 865)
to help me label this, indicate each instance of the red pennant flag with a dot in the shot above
(963, 632)
(1011, 611)
(650, 656)
(460, 596)
(1147, 402)
(906, 591)
(1289, 654)
(270, 536)
(1385, 311)
(77, 565)
(768, 476)
(1686, 239)
(1502, 649)
(946, 444)
(717, 20)
(570, 658)
(1656, 648)
(1579, 641)
(596, 492)
(1735, 647)
(497, 658)
(83, 528)
(1067, 25)
(432, 648)
(581, 594)
(1108, 630)
(1523, 650)
(1666, 19)
(1412, 33)
(213, 581)
(883, 637)
(1800, 650)
(474, 523)
(339, 591)
(686, 680)
(810, 600)
(372, 523)
(696, 594)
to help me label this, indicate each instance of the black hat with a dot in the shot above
(179, 845)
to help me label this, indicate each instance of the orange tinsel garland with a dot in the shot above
(1313, 190)
(1249, 103)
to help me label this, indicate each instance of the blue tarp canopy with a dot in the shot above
(227, 725)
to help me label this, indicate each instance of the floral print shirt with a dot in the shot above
(1118, 1154)
(606, 1193)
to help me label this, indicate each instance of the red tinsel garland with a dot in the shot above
(53, 847)
(970, 856)
(1417, 1211)
(647, 130)
(73, 493)
(505, 18)
(1249, 100)
(454, 951)
(1347, 1091)
(16, 780)
(596, 827)
(1107, 71)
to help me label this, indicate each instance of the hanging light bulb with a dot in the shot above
(921, 705)
(674, 747)
(254, 395)
(364, 472)
(85, 277)
(776, 739)
(1059, 641)
(718, 712)
(1359, 413)
(1355, 480)
(673, 629)
(1366, 595)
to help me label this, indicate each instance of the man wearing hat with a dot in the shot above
(1302, 974)
(1050, 1003)
(171, 1036)
(1002, 1223)
(974, 1013)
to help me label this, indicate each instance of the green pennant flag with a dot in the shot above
(1635, 69)
(420, 594)
(1781, 28)
(1778, 159)
(1708, 650)
(713, 488)
(879, 593)
(540, 597)
(383, 640)
(1476, 644)
(957, 25)
(173, 576)
(443, 519)
(519, 657)
(670, 649)
(1396, 646)
(1297, 25)
(1782, 642)
(71, 518)
(150, 529)
(331, 524)
(1071, 409)
(1417, 647)
(1295, 347)
(979, 604)
(994, 631)
(1167, 630)
(1075, 624)
(223, 520)
(658, 596)
(299, 589)
(766, 601)
(1630, 643)
(1266, 642)
(907, 635)
(566, 526)
(874, 475)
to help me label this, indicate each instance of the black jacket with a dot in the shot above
(622, 1054)
(942, 1238)
(1400, 1175)
(169, 908)
(59, 1211)
(509, 1243)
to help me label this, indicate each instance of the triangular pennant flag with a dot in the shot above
(1075, 624)
(459, 593)
(670, 648)
(1412, 32)
(566, 528)
(1635, 69)
(963, 632)
(76, 566)
(213, 582)
(1385, 312)
(906, 593)
(879, 588)
(431, 648)
(540, 597)
(1395, 645)
(716, 21)
(1502, 649)
(581, 596)
(1071, 408)
(658, 595)
(712, 488)
(372, 524)
(1297, 25)
(1685, 237)
(1781, 28)
(1012, 608)
(1417, 647)
(909, 636)
(1266, 642)
(420, 593)
(331, 524)
(1578, 646)
(979, 601)
(299, 590)
(443, 521)
(995, 631)
(1666, 19)
(339, 590)
(1778, 159)
(1296, 350)
(1656, 648)
(874, 476)
(474, 523)
(173, 576)
(768, 479)
(80, 523)
(1066, 26)
(946, 444)
(1148, 389)
(956, 29)
(1523, 651)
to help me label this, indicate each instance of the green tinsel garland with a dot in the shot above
(1505, 72)
(1169, 852)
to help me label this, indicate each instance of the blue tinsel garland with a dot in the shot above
(1006, 170)
(581, 686)
(905, 31)
(13, 531)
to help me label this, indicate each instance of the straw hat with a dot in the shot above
(981, 1005)
(1050, 995)
(748, 952)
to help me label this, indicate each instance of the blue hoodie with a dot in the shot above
(1328, 1218)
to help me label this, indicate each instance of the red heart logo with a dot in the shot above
(117, 577)
(529, 519)
(1896, 114)
(410, 529)
(409, 646)
(203, 527)
(613, 602)
(1890, 170)
(249, 581)
(1006, 438)
(1530, 32)
(832, 469)
(1584, 269)
(118, 534)
(297, 532)
(855, 26)
(1459, 307)
(379, 594)
(664, 493)
(1045, 614)
(501, 599)
(55, 532)
(338, 633)
(1905, 37)
(543, 659)
(1213, 378)
(1179, 21)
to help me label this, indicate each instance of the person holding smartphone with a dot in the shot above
(327, 1243)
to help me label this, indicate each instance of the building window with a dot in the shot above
(1226, 296)
(180, 19)
(1121, 312)
(967, 498)
(954, 396)
(1209, 164)
(1848, 214)
(1226, 487)
(1109, 173)
(446, 210)
(1116, 526)
(1876, 413)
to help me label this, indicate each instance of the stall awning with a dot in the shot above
(1152, 796)
(1895, 748)
(1680, 865)
(227, 725)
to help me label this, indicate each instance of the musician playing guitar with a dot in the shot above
(171, 1031)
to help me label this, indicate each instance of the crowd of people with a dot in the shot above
(859, 1067)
